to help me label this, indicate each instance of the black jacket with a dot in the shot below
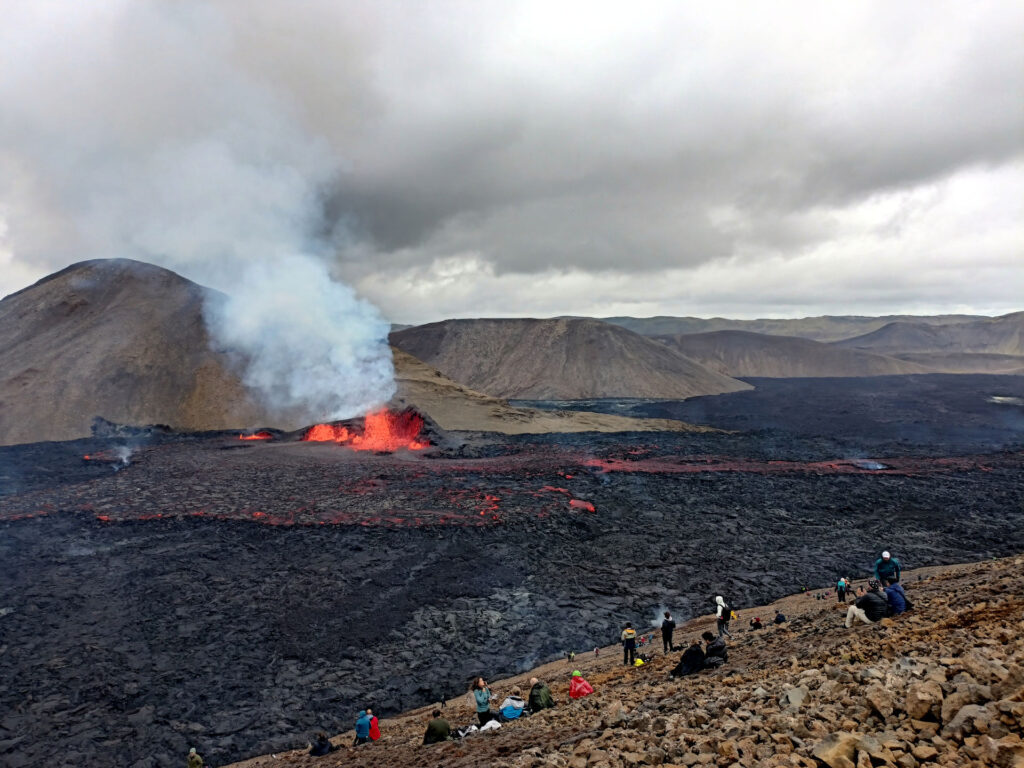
(874, 605)
(667, 628)
(691, 661)
(717, 647)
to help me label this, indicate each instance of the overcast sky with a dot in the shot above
(529, 159)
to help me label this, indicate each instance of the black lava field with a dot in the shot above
(238, 595)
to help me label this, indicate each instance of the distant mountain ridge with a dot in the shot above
(558, 359)
(822, 328)
(746, 354)
(1002, 335)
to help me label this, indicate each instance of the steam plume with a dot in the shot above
(146, 137)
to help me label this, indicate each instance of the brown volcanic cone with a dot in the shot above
(118, 339)
(742, 353)
(559, 359)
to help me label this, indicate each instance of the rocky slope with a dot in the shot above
(743, 354)
(824, 328)
(562, 359)
(942, 685)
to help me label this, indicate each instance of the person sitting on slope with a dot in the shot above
(578, 687)
(870, 607)
(895, 597)
(322, 746)
(716, 653)
(540, 696)
(438, 729)
(513, 705)
(691, 662)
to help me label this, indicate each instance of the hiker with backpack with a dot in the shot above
(628, 645)
(722, 616)
(841, 586)
(667, 628)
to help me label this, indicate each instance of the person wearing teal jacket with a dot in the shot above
(887, 567)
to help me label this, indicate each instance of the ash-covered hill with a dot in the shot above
(118, 339)
(998, 335)
(559, 359)
(742, 353)
(822, 328)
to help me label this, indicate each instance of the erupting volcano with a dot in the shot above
(382, 431)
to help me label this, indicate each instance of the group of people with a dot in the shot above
(872, 606)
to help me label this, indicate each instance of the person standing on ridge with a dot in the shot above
(628, 645)
(374, 725)
(722, 616)
(667, 628)
(887, 568)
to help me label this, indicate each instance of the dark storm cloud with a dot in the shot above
(492, 140)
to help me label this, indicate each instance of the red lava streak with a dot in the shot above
(382, 431)
(256, 436)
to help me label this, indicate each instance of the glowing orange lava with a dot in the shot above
(382, 431)
(256, 436)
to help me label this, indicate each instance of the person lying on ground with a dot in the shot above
(438, 729)
(578, 687)
(321, 746)
(513, 705)
(895, 597)
(481, 699)
(716, 653)
(540, 696)
(755, 623)
(870, 607)
(362, 728)
(887, 567)
(691, 662)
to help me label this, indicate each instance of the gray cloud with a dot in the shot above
(620, 145)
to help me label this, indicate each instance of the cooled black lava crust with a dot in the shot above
(390, 580)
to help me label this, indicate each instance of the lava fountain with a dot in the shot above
(383, 430)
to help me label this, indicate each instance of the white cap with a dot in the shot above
(886, 555)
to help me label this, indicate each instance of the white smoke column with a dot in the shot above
(312, 343)
(135, 129)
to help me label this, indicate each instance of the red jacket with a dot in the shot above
(374, 729)
(579, 688)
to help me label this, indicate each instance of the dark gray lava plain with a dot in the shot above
(125, 642)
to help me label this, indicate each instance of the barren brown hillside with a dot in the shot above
(997, 335)
(741, 353)
(118, 339)
(558, 359)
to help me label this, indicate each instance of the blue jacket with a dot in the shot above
(363, 725)
(884, 570)
(897, 599)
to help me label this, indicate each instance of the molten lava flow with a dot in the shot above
(256, 436)
(382, 431)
